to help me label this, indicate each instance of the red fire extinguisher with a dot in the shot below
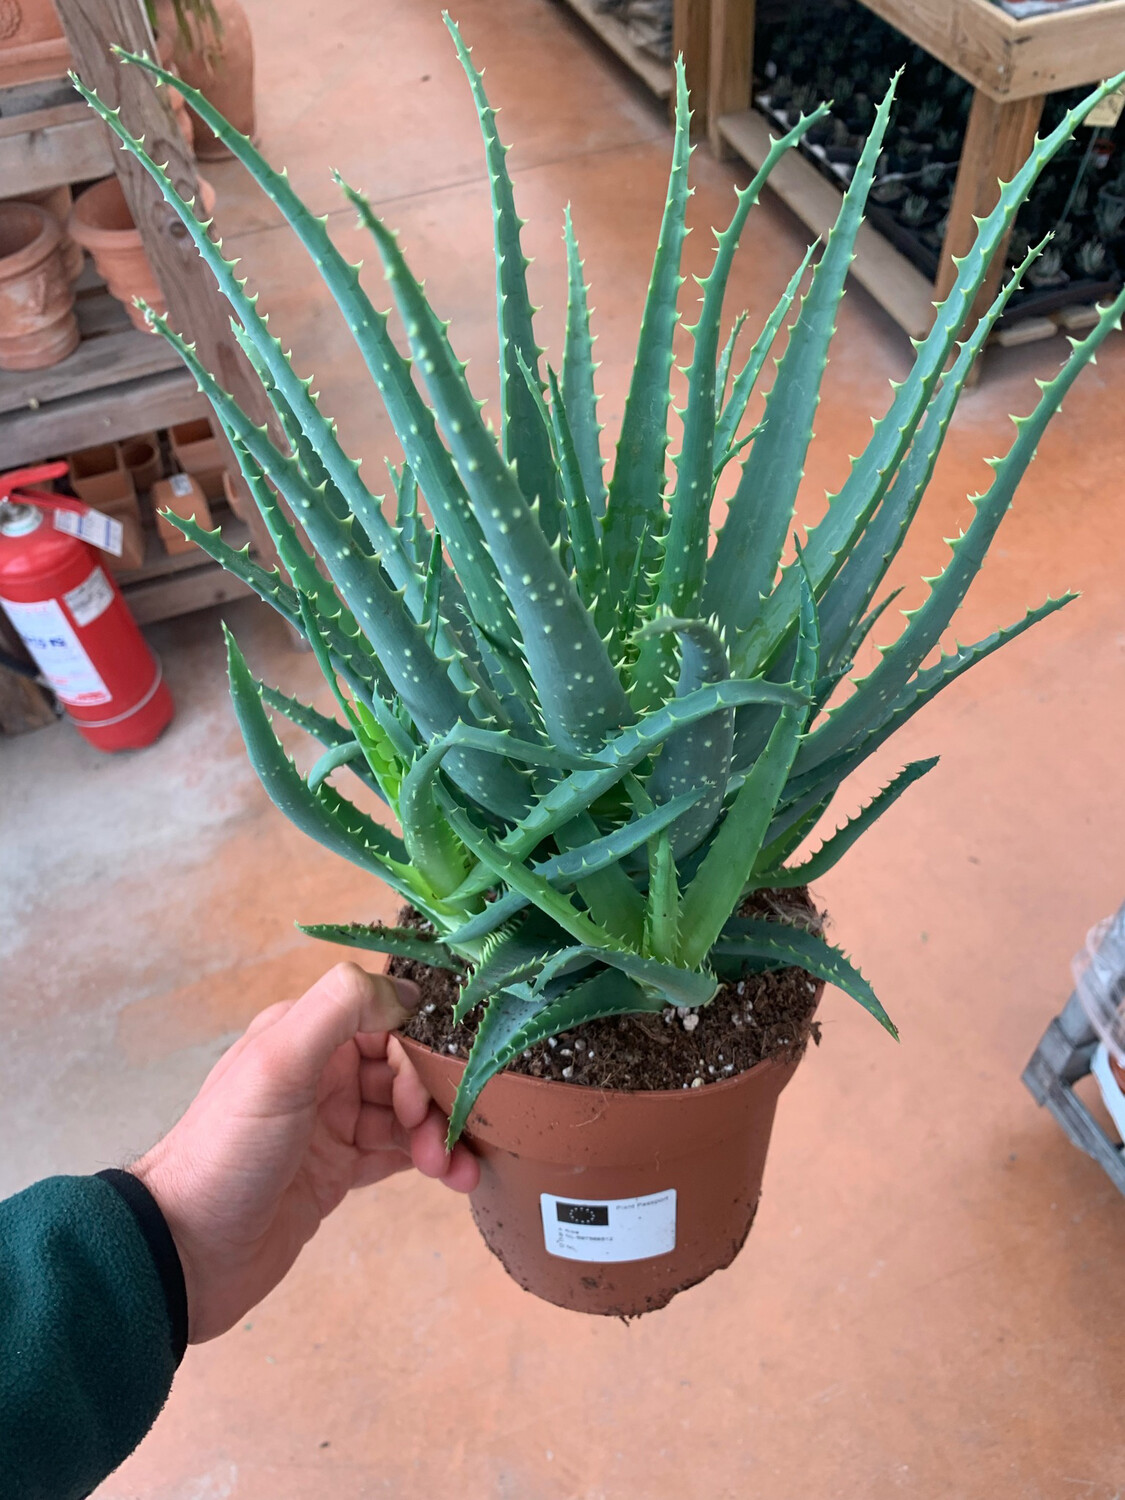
(70, 615)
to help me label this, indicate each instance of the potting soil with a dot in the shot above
(750, 1019)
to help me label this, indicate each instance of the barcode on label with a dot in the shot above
(91, 526)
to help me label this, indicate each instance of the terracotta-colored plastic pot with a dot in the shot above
(102, 223)
(609, 1202)
(222, 68)
(37, 322)
(100, 476)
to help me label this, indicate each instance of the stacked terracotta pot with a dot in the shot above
(37, 322)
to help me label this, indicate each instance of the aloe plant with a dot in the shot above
(598, 733)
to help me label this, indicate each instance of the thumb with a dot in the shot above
(297, 1048)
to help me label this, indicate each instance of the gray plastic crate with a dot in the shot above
(1059, 1061)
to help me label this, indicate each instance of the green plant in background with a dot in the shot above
(598, 733)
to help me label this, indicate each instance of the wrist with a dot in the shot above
(153, 1173)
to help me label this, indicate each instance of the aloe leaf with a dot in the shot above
(816, 783)
(411, 418)
(431, 608)
(849, 511)
(634, 509)
(508, 957)
(332, 760)
(698, 757)
(575, 793)
(511, 1024)
(716, 888)
(747, 552)
(795, 947)
(585, 538)
(331, 734)
(268, 584)
(343, 471)
(685, 555)
(579, 397)
(525, 437)
(408, 518)
(662, 913)
(321, 815)
(434, 850)
(747, 378)
(570, 867)
(405, 942)
(579, 532)
(432, 700)
(579, 691)
(865, 564)
(787, 842)
(899, 661)
(726, 359)
(833, 849)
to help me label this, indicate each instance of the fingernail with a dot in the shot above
(409, 995)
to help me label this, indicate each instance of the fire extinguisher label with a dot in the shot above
(90, 599)
(613, 1229)
(59, 654)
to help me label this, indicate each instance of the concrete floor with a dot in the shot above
(931, 1303)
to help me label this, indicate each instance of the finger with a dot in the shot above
(458, 1169)
(298, 1047)
(376, 1082)
(463, 1174)
(377, 1130)
(372, 1044)
(411, 1101)
(261, 1022)
(375, 1166)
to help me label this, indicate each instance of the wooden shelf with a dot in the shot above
(170, 584)
(897, 285)
(657, 75)
(1009, 59)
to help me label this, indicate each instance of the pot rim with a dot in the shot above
(97, 236)
(25, 259)
(708, 1090)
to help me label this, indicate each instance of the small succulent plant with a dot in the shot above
(1109, 216)
(1048, 269)
(597, 732)
(927, 116)
(914, 209)
(1091, 258)
(932, 175)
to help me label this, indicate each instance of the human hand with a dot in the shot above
(314, 1100)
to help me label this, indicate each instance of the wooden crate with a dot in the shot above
(691, 39)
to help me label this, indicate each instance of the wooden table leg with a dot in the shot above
(731, 65)
(691, 36)
(997, 143)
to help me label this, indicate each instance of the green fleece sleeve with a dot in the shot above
(88, 1342)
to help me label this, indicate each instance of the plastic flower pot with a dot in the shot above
(609, 1202)
(37, 322)
(102, 223)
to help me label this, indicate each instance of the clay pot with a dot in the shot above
(185, 120)
(608, 1202)
(141, 456)
(58, 202)
(198, 452)
(32, 44)
(37, 322)
(102, 223)
(222, 68)
(100, 476)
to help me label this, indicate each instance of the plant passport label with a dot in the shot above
(609, 1230)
